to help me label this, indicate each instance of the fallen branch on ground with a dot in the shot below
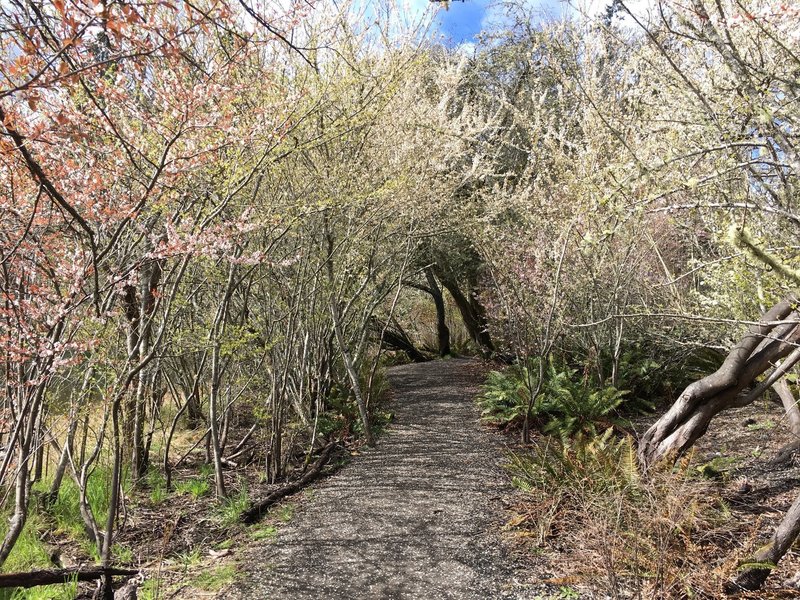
(59, 576)
(259, 509)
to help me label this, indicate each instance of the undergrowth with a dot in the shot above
(628, 536)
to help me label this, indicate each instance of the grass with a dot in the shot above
(224, 544)
(767, 424)
(230, 508)
(189, 559)
(122, 554)
(158, 495)
(62, 518)
(268, 532)
(284, 512)
(215, 579)
(157, 483)
(151, 589)
(30, 552)
(66, 511)
(195, 487)
(67, 591)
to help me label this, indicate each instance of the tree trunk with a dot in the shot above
(347, 357)
(767, 342)
(351, 372)
(472, 313)
(258, 509)
(59, 577)
(22, 486)
(398, 340)
(442, 331)
(150, 279)
(69, 442)
(213, 423)
(767, 557)
(790, 406)
(784, 455)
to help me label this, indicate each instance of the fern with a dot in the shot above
(567, 404)
(506, 394)
(503, 400)
(599, 462)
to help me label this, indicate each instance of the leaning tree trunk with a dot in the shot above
(442, 331)
(397, 339)
(790, 406)
(784, 455)
(772, 338)
(766, 558)
(472, 313)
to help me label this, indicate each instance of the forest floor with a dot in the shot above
(418, 516)
(741, 446)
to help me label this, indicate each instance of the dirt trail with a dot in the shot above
(411, 518)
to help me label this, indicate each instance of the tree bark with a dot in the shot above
(442, 331)
(69, 442)
(22, 486)
(351, 372)
(347, 357)
(150, 280)
(399, 341)
(784, 455)
(767, 342)
(472, 313)
(790, 406)
(60, 576)
(767, 557)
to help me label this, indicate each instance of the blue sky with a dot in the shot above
(463, 20)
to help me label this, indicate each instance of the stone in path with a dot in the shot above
(412, 518)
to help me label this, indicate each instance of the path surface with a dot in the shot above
(412, 518)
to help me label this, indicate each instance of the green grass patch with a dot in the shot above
(65, 511)
(157, 483)
(758, 426)
(284, 512)
(29, 553)
(189, 559)
(230, 508)
(224, 544)
(196, 487)
(67, 591)
(152, 589)
(215, 579)
(267, 532)
(122, 554)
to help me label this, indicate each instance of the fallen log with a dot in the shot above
(59, 576)
(259, 509)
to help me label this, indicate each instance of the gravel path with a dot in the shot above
(411, 518)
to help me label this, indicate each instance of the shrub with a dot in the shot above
(574, 406)
(650, 380)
